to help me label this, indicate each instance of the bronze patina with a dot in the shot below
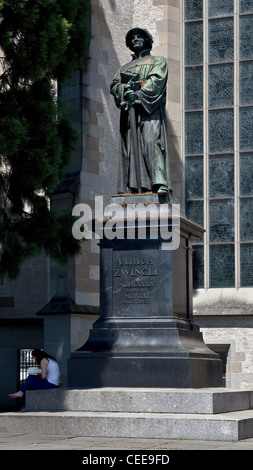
(139, 89)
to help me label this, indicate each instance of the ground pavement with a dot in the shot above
(13, 441)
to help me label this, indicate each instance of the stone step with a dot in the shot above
(231, 426)
(138, 400)
(201, 414)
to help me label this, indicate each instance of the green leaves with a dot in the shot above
(43, 41)
(40, 37)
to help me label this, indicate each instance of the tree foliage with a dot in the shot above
(42, 42)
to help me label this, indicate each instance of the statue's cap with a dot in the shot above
(137, 29)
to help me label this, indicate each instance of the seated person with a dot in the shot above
(49, 376)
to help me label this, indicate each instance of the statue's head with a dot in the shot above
(140, 32)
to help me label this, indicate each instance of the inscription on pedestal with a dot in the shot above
(135, 280)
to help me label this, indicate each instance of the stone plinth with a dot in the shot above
(145, 336)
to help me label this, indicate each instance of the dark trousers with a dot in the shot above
(35, 382)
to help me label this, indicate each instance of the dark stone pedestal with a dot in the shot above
(145, 336)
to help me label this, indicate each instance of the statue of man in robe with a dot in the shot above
(139, 87)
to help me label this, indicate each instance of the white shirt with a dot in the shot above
(53, 372)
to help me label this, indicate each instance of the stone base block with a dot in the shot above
(141, 400)
(94, 370)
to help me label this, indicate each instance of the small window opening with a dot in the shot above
(222, 350)
(25, 360)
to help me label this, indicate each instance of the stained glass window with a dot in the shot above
(194, 133)
(194, 88)
(246, 37)
(246, 128)
(221, 40)
(246, 174)
(221, 130)
(221, 175)
(222, 266)
(221, 214)
(220, 7)
(194, 177)
(193, 9)
(221, 85)
(194, 212)
(246, 6)
(194, 43)
(198, 266)
(246, 83)
(246, 264)
(211, 139)
(246, 217)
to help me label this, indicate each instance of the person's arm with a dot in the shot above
(117, 89)
(43, 365)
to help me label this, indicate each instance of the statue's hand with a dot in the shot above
(130, 97)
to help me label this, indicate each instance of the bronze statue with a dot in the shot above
(139, 89)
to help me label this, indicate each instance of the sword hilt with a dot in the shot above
(125, 105)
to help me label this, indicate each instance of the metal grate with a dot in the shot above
(25, 361)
